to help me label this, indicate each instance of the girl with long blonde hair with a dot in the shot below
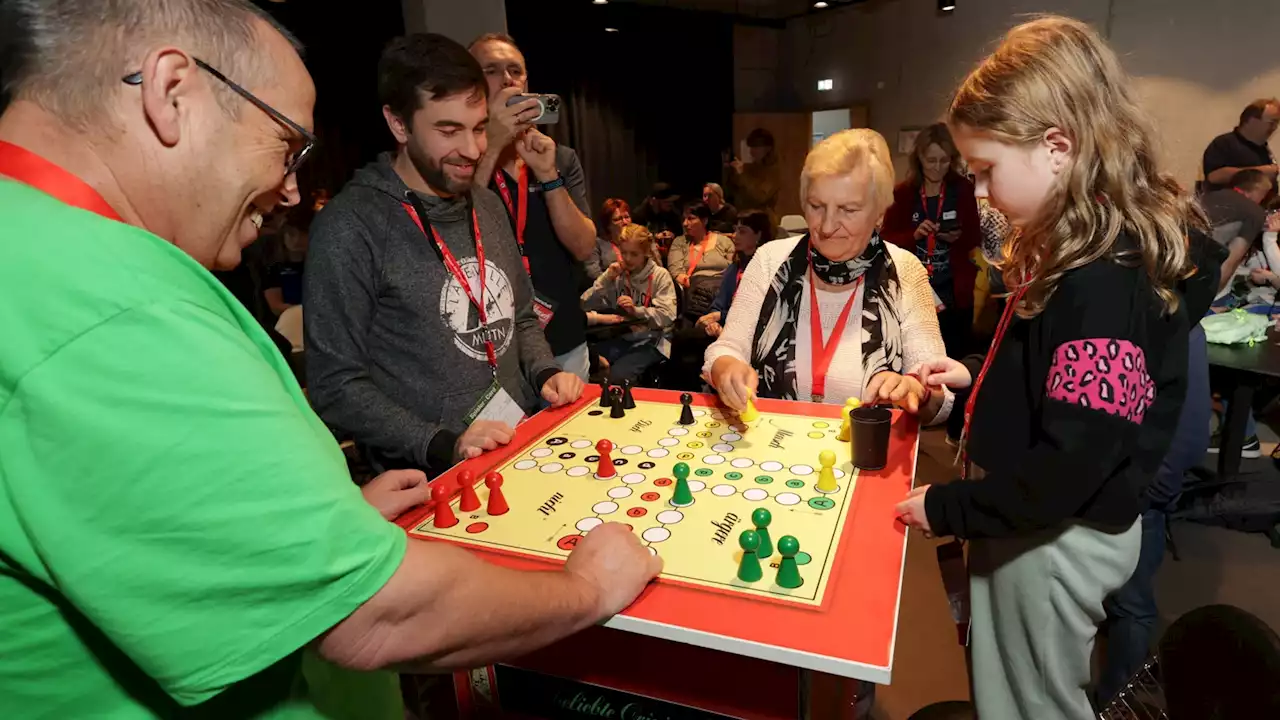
(1074, 406)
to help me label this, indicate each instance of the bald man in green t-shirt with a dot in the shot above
(176, 524)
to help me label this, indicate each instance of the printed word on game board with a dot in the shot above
(690, 492)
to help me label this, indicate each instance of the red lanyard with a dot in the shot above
(521, 214)
(823, 354)
(648, 297)
(924, 210)
(30, 169)
(695, 259)
(1005, 319)
(455, 269)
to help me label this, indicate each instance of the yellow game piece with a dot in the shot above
(827, 476)
(853, 403)
(749, 414)
(846, 431)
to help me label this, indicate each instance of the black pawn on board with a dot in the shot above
(686, 412)
(616, 401)
(605, 398)
(628, 402)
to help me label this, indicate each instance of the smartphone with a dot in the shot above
(548, 107)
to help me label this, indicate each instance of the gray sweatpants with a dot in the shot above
(1036, 605)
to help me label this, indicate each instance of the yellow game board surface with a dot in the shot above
(555, 496)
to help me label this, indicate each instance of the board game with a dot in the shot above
(841, 614)
(555, 493)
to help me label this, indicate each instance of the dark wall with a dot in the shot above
(651, 102)
(342, 48)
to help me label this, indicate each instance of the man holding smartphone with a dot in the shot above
(544, 190)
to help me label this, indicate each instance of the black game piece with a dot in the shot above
(605, 399)
(628, 402)
(616, 398)
(686, 413)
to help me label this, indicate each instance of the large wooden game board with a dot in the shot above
(555, 494)
(842, 619)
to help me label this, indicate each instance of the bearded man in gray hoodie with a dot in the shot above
(422, 341)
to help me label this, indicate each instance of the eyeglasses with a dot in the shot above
(295, 160)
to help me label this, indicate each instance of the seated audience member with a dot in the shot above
(283, 287)
(658, 214)
(614, 215)
(752, 231)
(638, 294)
(724, 217)
(697, 261)
(754, 182)
(1237, 218)
(935, 215)
(181, 536)
(1244, 148)
(865, 301)
(399, 350)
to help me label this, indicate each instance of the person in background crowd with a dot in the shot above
(697, 260)
(752, 231)
(1237, 218)
(1078, 400)
(724, 217)
(283, 287)
(1243, 148)
(401, 353)
(638, 294)
(869, 299)
(935, 215)
(754, 182)
(614, 215)
(545, 192)
(658, 214)
(144, 402)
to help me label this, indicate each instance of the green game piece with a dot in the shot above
(761, 519)
(683, 496)
(788, 569)
(749, 569)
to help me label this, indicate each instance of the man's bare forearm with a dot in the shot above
(446, 609)
(575, 230)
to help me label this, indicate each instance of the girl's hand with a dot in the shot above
(911, 511)
(944, 371)
(627, 305)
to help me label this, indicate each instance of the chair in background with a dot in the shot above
(794, 224)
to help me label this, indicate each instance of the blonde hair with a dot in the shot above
(845, 152)
(1055, 72)
(637, 234)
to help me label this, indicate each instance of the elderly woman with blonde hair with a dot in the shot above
(837, 313)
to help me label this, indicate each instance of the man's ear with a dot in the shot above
(399, 130)
(167, 82)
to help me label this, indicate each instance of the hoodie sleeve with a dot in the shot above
(598, 296)
(340, 295)
(661, 312)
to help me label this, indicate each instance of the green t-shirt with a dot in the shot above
(175, 522)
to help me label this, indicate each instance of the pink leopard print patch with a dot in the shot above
(1104, 374)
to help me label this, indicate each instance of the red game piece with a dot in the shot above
(497, 503)
(605, 468)
(440, 493)
(470, 502)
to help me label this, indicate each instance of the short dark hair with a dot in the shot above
(1256, 108)
(758, 220)
(760, 138)
(426, 63)
(700, 211)
(1249, 179)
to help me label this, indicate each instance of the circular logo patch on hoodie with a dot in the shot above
(458, 312)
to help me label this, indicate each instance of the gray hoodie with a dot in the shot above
(394, 349)
(654, 294)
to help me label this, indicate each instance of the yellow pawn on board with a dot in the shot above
(846, 426)
(827, 475)
(749, 414)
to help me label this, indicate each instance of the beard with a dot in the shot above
(432, 171)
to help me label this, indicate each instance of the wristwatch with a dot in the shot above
(553, 185)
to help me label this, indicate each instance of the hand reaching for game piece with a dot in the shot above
(481, 437)
(735, 381)
(395, 491)
(613, 566)
(944, 371)
(562, 389)
(911, 511)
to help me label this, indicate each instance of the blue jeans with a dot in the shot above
(1250, 425)
(628, 359)
(1132, 611)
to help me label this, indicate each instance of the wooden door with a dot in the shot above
(791, 136)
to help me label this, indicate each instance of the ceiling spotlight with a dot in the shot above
(611, 29)
(599, 2)
(946, 5)
(820, 4)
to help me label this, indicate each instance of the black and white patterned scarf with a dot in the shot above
(774, 347)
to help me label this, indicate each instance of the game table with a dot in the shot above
(698, 642)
